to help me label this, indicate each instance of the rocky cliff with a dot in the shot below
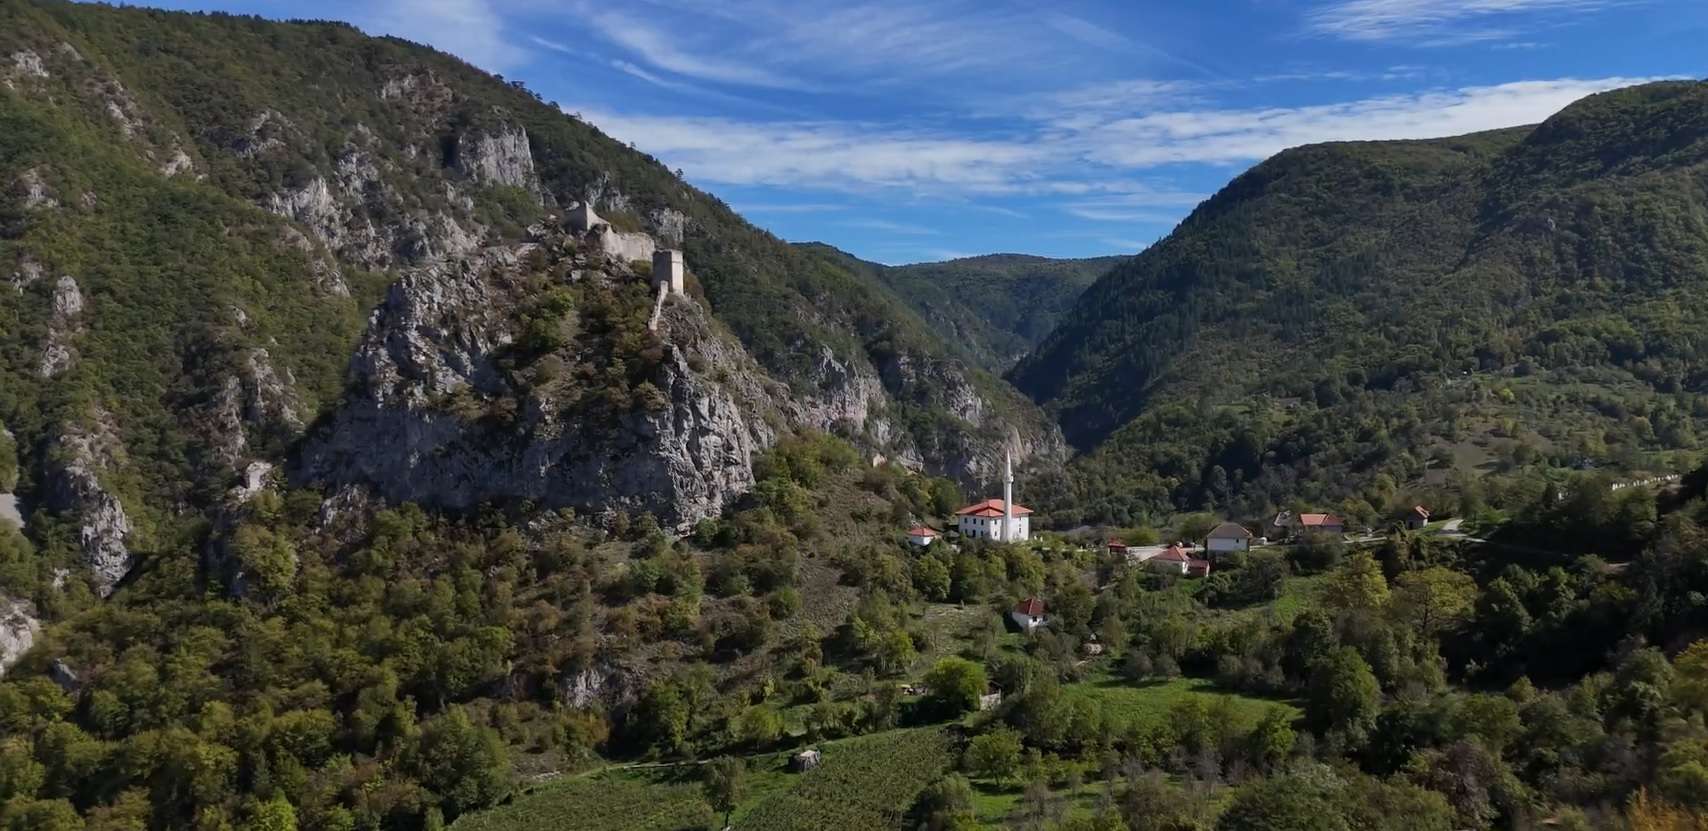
(357, 277)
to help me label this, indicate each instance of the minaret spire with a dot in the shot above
(1008, 496)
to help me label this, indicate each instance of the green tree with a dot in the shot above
(1357, 585)
(465, 764)
(1285, 803)
(1689, 688)
(1434, 599)
(724, 782)
(275, 814)
(1343, 694)
(994, 755)
(955, 686)
(1271, 740)
(946, 804)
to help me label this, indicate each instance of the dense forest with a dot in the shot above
(996, 307)
(1344, 312)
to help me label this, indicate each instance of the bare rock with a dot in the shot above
(496, 158)
(19, 627)
(683, 457)
(65, 322)
(33, 191)
(28, 64)
(77, 460)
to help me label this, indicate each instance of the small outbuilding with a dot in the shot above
(1029, 614)
(805, 760)
(1417, 517)
(988, 701)
(922, 536)
(1228, 537)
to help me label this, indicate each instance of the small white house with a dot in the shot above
(922, 536)
(1228, 537)
(1029, 614)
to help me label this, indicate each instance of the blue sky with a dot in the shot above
(909, 130)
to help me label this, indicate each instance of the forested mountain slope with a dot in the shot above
(997, 307)
(1345, 308)
(334, 239)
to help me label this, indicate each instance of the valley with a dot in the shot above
(384, 447)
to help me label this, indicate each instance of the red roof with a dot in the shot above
(921, 531)
(1031, 606)
(1173, 554)
(1420, 511)
(991, 508)
(1318, 520)
(1200, 567)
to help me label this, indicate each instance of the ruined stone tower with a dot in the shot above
(668, 268)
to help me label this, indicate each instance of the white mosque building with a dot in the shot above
(997, 519)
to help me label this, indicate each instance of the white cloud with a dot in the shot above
(1228, 136)
(1091, 160)
(1439, 22)
(789, 208)
(891, 227)
(470, 29)
(665, 51)
(838, 155)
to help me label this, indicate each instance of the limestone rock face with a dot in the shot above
(64, 324)
(497, 158)
(683, 455)
(840, 391)
(19, 627)
(76, 460)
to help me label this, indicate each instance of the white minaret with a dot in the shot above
(1007, 496)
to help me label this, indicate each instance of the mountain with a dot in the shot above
(1363, 309)
(358, 270)
(996, 307)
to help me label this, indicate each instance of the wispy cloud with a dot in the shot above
(470, 29)
(1441, 22)
(1089, 161)
(664, 50)
(1243, 135)
(825, 154)
(891, 227)
(789, 207)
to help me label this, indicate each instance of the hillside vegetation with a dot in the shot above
(1342, 311)
(996, 307)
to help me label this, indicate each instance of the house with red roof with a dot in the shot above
(1321, 523)
(1029, 614)
(1417, 517)
(922, 536)
(1175, 560)
(1117, 547)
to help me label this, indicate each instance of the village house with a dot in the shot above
(1228, 537)
(1175, 560)
(1029, 614)
(921, 536)
(997, 519)
(1117, 547)
(1281, 527)
(1321, 524)
(1417, 517)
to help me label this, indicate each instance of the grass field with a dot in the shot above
(1148, 704)
(863, 783)
(603, 801)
